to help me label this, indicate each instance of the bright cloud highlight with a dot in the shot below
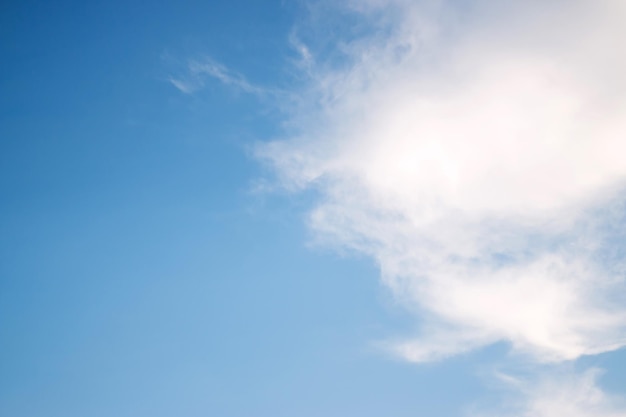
(478, 156)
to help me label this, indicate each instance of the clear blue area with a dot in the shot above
(139, 276)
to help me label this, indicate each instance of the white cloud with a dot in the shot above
(478, 156)
(561, 394)
(195, 74)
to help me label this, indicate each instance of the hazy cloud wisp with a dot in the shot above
(197, 70)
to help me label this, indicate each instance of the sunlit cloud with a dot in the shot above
(477, 156)
(475, 151)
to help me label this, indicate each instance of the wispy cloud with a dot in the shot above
(478, 156)
(196, 72)
(562, 393)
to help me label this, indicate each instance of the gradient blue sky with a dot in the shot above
(141, 274)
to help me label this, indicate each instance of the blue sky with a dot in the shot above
(273, 208)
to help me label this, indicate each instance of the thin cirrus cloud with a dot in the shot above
(196, 71)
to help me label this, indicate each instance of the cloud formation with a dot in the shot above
(562, 394)
(196, 71)
(476, 152)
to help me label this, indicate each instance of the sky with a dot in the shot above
(312, 208)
